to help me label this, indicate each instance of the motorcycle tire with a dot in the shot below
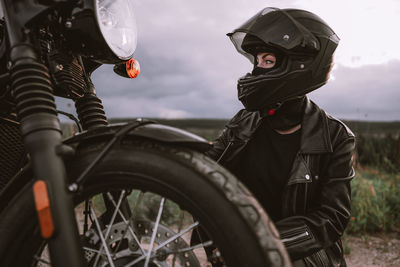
(235, 222)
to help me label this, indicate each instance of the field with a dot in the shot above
(375, 220)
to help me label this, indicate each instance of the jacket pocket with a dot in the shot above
(295, 236)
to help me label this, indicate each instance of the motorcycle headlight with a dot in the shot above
(117, 24)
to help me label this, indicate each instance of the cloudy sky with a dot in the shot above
(190, 68)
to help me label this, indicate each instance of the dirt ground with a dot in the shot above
(372, 250)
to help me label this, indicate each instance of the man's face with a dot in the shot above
(266, 60)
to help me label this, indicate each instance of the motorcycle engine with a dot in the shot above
(66, 72)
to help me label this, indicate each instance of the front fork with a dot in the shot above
(41, 132)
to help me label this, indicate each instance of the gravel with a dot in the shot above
(372, 250)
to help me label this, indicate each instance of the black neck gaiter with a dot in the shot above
(288, 115)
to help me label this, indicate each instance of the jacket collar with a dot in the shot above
(315, 137)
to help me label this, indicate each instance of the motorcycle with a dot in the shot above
(112, 195)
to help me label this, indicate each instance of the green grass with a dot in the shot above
(375, 202)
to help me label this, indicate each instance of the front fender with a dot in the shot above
(139, 129)
(147, 130)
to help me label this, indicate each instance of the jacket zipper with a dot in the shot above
(297, 238)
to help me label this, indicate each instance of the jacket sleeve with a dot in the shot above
(223, 141)
(328, 214)
(219, 145)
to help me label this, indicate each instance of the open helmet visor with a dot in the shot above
(277, 29)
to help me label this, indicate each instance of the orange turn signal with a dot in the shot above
(42, 203)
(132, 68)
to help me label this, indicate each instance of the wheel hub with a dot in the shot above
(124, 249)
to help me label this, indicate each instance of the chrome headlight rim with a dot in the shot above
(107, 41)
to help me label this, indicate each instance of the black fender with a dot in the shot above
(137, 130)
(146, 130)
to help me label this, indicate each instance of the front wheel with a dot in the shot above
(142, 205)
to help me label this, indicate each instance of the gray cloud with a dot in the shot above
(371, 92)
(188, 65)
(190, 68)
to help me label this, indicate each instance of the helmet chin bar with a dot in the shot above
(272, 110)
(288, 115)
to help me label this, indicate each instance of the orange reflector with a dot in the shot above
(132, 68)
(42, 202)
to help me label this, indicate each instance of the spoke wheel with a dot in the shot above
(142, 206)
(128, 240)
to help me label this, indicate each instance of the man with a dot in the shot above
(296, 159)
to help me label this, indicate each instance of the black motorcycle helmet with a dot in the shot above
(307, 44)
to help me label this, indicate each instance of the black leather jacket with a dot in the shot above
(316, 200)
